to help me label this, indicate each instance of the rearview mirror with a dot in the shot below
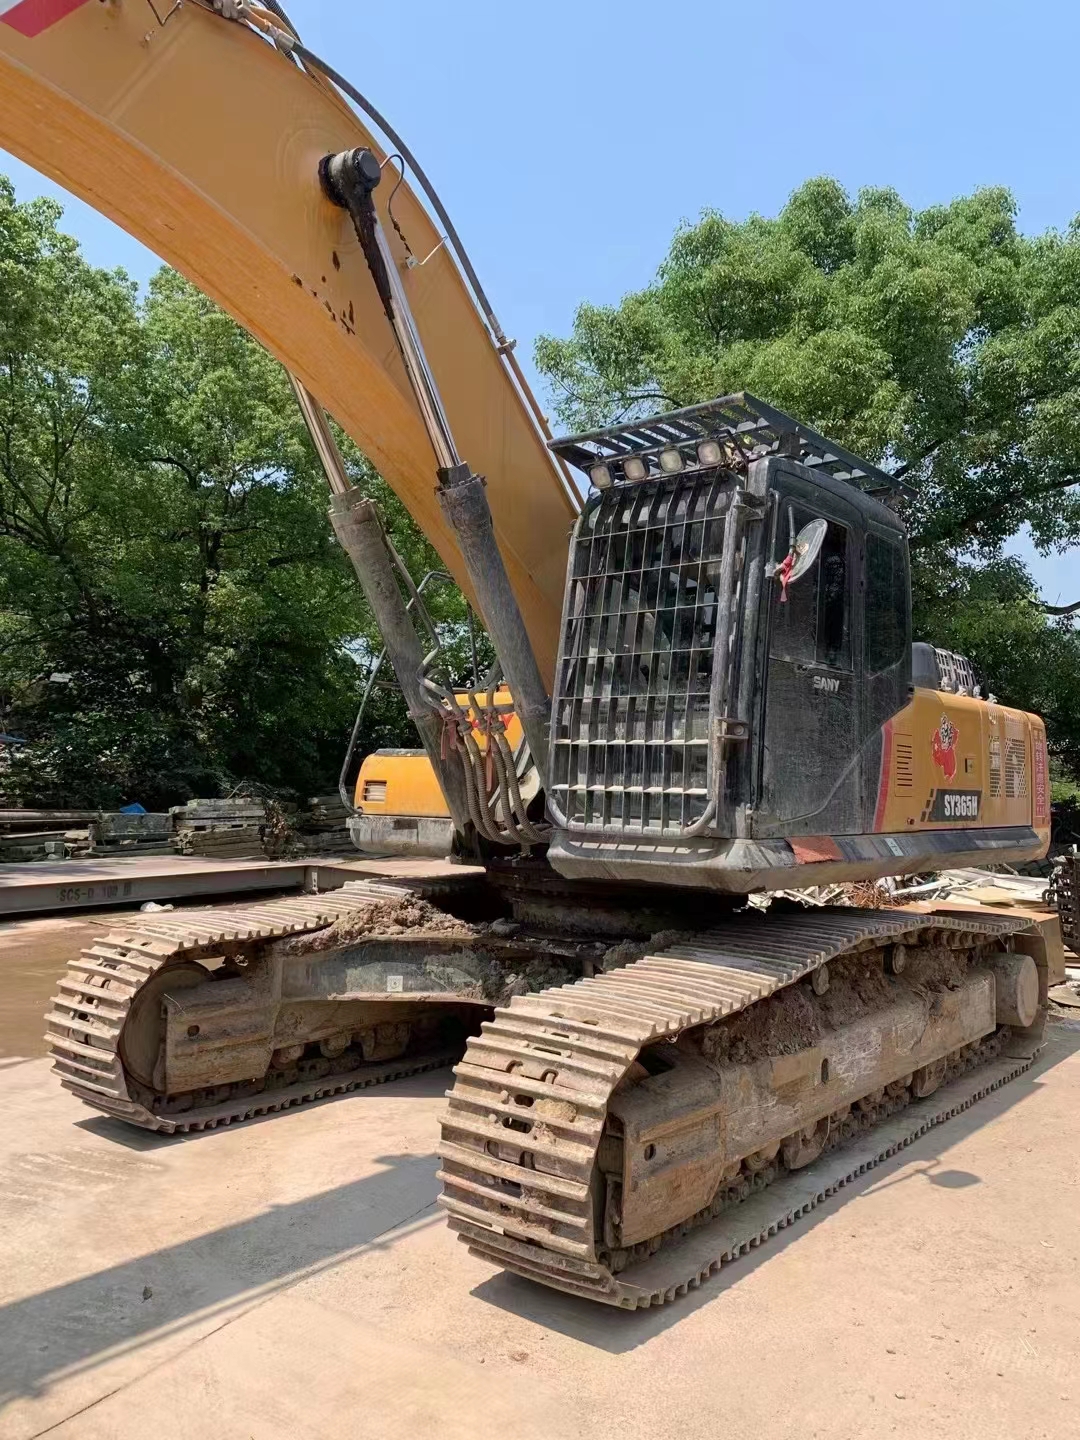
(806, 548)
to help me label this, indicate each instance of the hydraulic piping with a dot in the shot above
(349, 180)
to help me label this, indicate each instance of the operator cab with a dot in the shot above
(736, 634)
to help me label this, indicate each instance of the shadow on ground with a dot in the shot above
(72, 1327)
(617, 1331)
(430, 1085)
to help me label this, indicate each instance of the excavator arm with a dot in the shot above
(133, 105)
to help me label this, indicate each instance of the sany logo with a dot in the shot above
(31, 17)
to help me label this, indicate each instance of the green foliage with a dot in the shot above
(175, 615)
(941, 343)
(164, 545)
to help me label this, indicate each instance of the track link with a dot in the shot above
(94, 998)
(528, 1201)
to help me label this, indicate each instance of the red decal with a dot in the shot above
(31, 17)
(886, 772)
(943, 747)
(809, 848)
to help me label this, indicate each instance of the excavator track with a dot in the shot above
(560, 1056)
(95, 997)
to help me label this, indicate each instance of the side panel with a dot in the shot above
(204, 142)
(955, 762)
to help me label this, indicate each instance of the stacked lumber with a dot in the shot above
(119, 834)
(321, 827)
(27, 835)
(238, 829)
(220, 829)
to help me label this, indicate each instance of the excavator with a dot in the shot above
(705, 691)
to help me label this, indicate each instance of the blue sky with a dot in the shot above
(569, 139)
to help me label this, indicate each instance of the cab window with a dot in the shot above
(813, 624)
(886, 604)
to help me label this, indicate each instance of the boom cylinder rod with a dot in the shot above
(349, 180)
(322, 437)
(423, 382)
(358, 527)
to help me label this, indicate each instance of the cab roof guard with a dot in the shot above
(745, 428)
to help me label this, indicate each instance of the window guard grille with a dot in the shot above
(631, 716)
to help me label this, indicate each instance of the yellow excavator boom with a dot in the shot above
(204, 142)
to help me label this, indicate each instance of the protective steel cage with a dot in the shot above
(631, 708)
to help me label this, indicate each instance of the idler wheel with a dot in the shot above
(142, 1040)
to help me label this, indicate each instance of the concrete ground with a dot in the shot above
(292, 1278)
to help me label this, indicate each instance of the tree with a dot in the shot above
(942, 344)
(164, 544)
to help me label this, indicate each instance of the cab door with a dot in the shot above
(808, 772)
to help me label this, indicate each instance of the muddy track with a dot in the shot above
(528, 1201)
(95, 996)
